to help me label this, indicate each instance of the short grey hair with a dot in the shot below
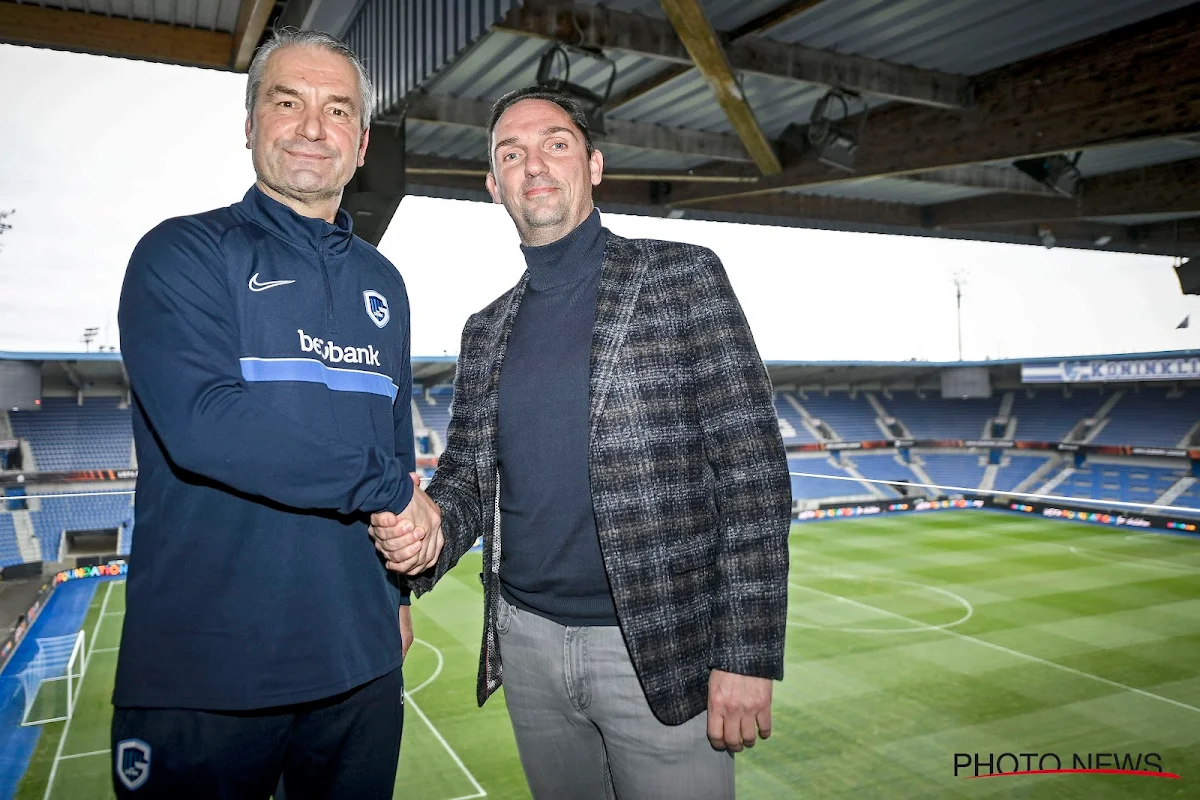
(291, 37)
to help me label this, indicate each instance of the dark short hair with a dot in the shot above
(568, 104)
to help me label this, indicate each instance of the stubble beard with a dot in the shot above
(280, 180)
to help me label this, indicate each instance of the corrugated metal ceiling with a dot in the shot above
(456, 141)
(959, 36)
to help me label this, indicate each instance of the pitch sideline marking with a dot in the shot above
(103, 752)
(62, 741)
(436, 672)
(479, 790)
(1003, 649)
(926, 626)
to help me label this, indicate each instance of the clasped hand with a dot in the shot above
(412, 540)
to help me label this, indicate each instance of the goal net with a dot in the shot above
(52, 678)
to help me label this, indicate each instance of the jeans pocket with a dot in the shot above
(504, 615)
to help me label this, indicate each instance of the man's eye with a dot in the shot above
(560, 145)
(285, 103)
(339, 112)
(508, 156)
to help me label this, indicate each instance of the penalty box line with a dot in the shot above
(479, 790)
(62, 741)
(1003, 649)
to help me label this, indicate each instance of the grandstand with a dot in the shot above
(433, 406)
(848, 417)
(1050, 415)
(1151, 416)
(927, 417)
(10, 553)
(67, 434)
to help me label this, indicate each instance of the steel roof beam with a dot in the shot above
(1164, 188)
(656, 38)
(985, 176)
(447, 110)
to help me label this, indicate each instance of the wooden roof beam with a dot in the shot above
(252, 21)
(702, 42)
(1136, 83)
(654, 38)
(113, 36)
(752, 28)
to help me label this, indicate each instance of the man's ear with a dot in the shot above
(362, 146)
(596, 167)
(249, 130)
(492, 187)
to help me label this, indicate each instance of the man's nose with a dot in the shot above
(312, 123)
(534, 164)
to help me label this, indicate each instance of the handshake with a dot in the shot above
(411, 541)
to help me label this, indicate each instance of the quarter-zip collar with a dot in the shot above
(294, 228)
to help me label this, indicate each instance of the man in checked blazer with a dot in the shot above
(613, 440)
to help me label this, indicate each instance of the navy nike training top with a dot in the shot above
(269, 359)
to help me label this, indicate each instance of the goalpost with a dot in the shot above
(52, 679)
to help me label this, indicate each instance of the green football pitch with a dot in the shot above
(910, 639)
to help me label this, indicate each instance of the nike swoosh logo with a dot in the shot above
(257, 286)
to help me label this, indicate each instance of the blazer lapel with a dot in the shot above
(498, 348)
(620, 281)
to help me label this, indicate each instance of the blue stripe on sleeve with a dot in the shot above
(307, 370)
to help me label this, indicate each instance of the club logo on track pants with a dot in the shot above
(133, 763)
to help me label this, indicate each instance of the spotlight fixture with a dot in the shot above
(1102, 240)
(1056, 172)
(831, 131)
(549, 76)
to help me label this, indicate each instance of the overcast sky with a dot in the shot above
(97, 151)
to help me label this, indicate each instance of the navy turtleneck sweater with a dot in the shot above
(550, 560)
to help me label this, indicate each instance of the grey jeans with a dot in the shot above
(582, 723)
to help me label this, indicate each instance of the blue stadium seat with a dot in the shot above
(1048, 416)
(786, 411)
(1017, 469)
(853, 419)
(437, 414)
(884, 467)
(1124, 483)
(937, 418)
(66, 436)
(9, 552)
(1149, 417)
(953, 469)
(817, 488)
(77, 513)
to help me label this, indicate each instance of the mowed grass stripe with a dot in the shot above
(881, 714)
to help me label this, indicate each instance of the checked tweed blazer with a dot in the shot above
(689, 477)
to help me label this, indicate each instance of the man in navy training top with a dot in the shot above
(613, 439)
(268, 352)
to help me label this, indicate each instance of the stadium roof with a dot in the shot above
(1055, 122)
